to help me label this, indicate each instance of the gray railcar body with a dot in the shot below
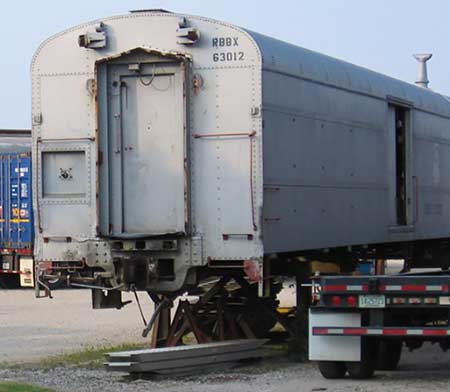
(329, 153)
(172, 142)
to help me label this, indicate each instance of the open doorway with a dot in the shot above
(401, 152)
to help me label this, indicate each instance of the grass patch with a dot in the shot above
(91, 357)
(19, 387)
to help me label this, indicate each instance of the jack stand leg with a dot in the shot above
(161, 328)
(299, 344)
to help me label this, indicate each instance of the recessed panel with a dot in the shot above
(64, 174)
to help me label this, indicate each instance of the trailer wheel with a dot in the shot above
(389, 353)
(366, 367)
(332, 369)
(360, 370)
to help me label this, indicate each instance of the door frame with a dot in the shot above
(148, 56)
(393, 104)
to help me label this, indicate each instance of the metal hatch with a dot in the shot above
(143, 146)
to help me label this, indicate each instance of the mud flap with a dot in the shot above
(334, 348)
(26, 272)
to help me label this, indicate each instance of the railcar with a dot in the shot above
(170, 148)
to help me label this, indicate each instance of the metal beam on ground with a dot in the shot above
(183, 359)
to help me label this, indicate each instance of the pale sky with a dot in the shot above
(378, 34)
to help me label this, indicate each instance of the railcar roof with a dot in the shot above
(15, 132)
(279, 56)
(283, 57)
(15, 140)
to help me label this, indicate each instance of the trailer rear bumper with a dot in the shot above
(381, 331)
(336, 335)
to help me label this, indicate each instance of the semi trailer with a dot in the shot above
(359, 324)
(16, 210)
(182, 150)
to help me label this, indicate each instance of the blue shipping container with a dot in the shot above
(16, 209)
(366, 267)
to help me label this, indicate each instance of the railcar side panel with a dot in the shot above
(351, 157)
(326, 170)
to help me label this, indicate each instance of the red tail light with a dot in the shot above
(336, 301)
(352, 301)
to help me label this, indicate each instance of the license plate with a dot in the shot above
(372, 301)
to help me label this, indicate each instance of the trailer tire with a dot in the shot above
(332, 369)
(389, 353)
(366, 367)
(360, 370)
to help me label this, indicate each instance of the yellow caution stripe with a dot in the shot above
(16, 220)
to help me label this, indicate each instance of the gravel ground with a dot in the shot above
(29, 329)
(425, 369)
(32, 329)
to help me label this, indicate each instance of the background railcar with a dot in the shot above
(16, 210)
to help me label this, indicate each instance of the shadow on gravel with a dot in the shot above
(427, 364)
